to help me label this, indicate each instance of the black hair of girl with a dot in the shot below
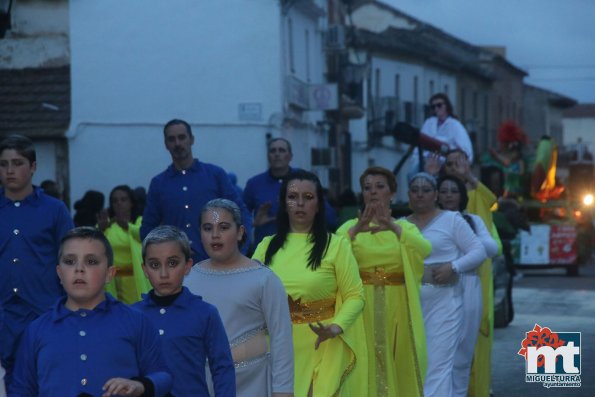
(463, 197)
(318, 235)
(134, 211)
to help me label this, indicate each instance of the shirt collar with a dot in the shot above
(279, 178)
(59, 311)
(183, 300)
(172, 170)
(32, 199)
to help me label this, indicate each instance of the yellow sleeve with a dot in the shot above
(481, 200)
(349, 283)
(261, 249)
(343, 230)
(134, 229)
(412, 239)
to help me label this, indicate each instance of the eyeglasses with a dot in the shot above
(437, 105)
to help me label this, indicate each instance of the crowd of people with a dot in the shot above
(165, 301)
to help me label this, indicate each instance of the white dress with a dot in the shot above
(472, 312)
(453, 241)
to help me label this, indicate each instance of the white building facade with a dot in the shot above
(238, 71)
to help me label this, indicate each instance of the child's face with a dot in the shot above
(84, 271)
(15, 170)
(165, 266)
(220, 234)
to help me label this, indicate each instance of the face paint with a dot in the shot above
(216, 216)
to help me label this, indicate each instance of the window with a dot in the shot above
(398, 86)
(475, 105)
(290, 44)
(415, 97)
(377, 82)
(431, 88)
(307, 40)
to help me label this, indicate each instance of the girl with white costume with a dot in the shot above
(455, 250)
(452, 195)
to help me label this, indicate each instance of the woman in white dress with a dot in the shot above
(252, 303)
(455, 250)
(452, 196)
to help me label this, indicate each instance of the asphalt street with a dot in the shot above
(551, 299)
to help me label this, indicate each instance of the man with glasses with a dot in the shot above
(261, 194)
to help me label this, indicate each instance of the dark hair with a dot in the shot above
(273, 140)
(88, 207)
(318, 235)
(447, 103)
(177, 122)
(90, 233)
(51, 188)
(21, 144)
(390, 177)
(230, 207)
(134, 210)
(166, 234)
(464, 198)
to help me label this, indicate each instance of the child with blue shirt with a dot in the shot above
(31, 227)
(191, 329)
(89, 344)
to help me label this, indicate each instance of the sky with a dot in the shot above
(552, 40)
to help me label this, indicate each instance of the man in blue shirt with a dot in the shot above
(177, 195)
(190, 329)
(261, 194)
(31, 227)
(89, 344)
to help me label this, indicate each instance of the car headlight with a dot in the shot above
(588, 199)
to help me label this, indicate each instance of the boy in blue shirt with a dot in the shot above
(31, 227)
(191, 329)
(89, 344)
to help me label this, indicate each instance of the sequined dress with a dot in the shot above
(252, 303)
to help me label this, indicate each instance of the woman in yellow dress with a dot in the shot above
(325, 293)
(390, 256)
(121, 225)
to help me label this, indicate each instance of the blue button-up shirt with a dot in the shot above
(264, 188)
(176, 198)
(30, 234)
(191, 332)
(66, 353)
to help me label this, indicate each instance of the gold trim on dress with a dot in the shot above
(308, 312)
(381, 278)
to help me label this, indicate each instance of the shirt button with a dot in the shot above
(186, 206)
(16, 231)
(17, 204)
(15, 290)
(84, 381)
(188, 226)
(185, 188)
(83, 314)
(161, 332)
(83, 357)
(82, 333)
(15, 260)
(162, 311)
(183, 172)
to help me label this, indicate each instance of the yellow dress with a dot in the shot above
(481, 199)
(130, 281)
(392, 269)
(333, 293)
